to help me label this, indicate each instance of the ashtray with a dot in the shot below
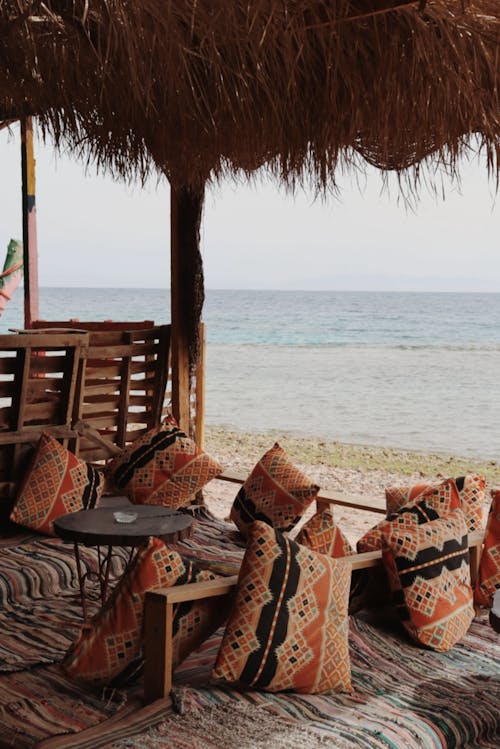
(124, 516)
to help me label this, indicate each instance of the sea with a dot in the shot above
(417, 371)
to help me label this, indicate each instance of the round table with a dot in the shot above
(100, 528)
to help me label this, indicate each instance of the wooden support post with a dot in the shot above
(185, 216)
(200, 391)
(30, 253)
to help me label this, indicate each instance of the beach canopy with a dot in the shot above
(201, 89)
(206, 88)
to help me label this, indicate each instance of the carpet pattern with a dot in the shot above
(243, 726)
(39, 702)
(404, 696)
(40, 609)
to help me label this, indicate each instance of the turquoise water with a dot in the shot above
(411, 370)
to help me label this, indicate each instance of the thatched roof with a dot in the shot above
(200, 87)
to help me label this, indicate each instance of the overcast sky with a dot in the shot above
(93, 231)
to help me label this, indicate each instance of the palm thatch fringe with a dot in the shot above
(207, 88)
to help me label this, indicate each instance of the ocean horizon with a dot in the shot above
(409, 370)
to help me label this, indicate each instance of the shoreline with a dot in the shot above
(337, 467)
(245, 448)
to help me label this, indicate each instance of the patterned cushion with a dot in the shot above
(471, 490)
(489, 569)
(57, 482)
(428, 569)
(288, 627)
(321, 534)
(434, 501)
(110, 651)
(275, 492)
(163, 467)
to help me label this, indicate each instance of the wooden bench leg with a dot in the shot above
(475, 559)
(158, 618)
(158, 623)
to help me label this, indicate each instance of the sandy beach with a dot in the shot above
(336, 467)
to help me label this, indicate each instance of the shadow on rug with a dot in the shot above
(230, 726)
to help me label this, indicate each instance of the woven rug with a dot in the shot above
(40, 702)
(40, 609)
(404, 697)
(40, 615)
(239, 727)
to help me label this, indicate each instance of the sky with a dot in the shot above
(93, 231)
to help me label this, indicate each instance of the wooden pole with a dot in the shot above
(200, 391)
(186, 206)
(30, 250)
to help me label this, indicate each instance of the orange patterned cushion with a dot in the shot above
(163, 467)
(57, 482)
(323, 535)
(471, 490)
(489, 569)
(275, 492)
(435, 501)
(429, 574)
(288, 627)
(110, 651)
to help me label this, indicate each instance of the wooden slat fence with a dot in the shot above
(112, 376)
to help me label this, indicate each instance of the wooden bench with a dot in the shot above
(159, 605)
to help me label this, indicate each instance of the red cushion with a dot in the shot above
(323, 535)
(471, 490)
(56, 483)
(288, 629)
(163, 467)
(428, 568)
(276, 492)
(111, 649)
(488, 581)
(436, 501)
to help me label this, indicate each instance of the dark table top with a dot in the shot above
(99, 527)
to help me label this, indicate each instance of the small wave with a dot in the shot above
(357, 346)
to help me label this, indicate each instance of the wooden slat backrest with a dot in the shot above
(122, 431)
(98, 325)
(123, 386)
(39, 375)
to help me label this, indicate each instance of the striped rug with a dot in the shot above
(404, 697)
(40, 610)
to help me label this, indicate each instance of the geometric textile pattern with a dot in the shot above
(429, 574)
(109, 652)
(488, 581)
(288, 627)
(275, 492)
(471, 490)
(163, 467)
(57, 482)
(321, 534)
(433, 502)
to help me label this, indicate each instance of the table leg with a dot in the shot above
(81, 581)
(104, 580)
